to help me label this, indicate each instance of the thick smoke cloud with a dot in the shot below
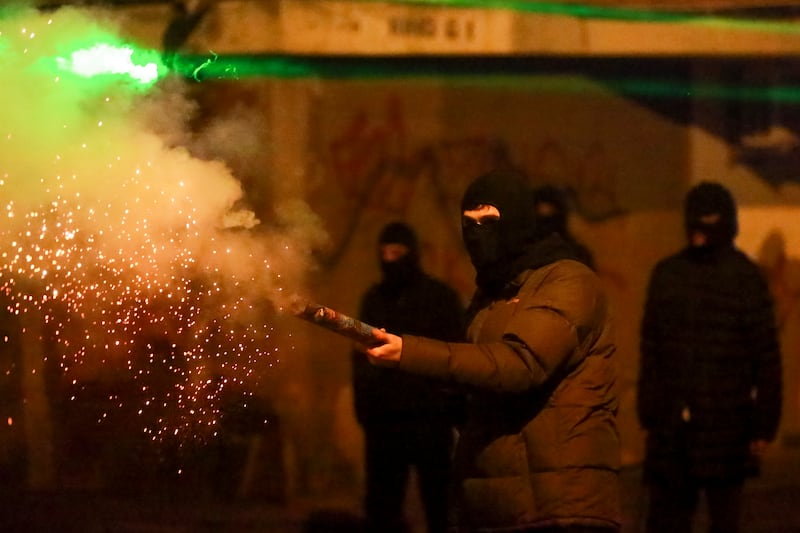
(127, 233)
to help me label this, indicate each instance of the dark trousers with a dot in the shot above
(672, 508)
(391, 452)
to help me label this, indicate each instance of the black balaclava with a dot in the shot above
(706, 199)
(400, 272)
(554, 221)
(493, 247)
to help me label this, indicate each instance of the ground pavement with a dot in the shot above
(772, 506)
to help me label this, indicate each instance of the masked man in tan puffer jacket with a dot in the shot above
(539, 449)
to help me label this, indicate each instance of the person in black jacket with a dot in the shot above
(709, 391)
(407, 420)
(538, 448)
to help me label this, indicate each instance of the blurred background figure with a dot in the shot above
(783, 276)
(551, 209)
(407, 420)
(709, 392)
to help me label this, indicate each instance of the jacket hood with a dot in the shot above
(711, 210)
(493, 247)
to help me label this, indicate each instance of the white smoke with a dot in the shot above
(120, 221)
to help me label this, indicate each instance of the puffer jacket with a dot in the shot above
(710, 373)
(540, 445)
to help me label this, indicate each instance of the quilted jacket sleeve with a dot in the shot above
(549, 326)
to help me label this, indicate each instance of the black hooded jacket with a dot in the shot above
(710, 376)
(539, 446)
(406, 301)
(502, 250)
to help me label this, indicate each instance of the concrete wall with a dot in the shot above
(367, 151)
(371, 151)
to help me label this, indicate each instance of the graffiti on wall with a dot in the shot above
(376, 165)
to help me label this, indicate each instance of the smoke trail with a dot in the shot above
(127, 235)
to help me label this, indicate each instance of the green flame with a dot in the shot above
(140, 66)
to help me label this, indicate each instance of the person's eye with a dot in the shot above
(488, 220)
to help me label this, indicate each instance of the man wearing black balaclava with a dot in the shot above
(709, 391)
(551, 209)
(407, 420)
(538, 449)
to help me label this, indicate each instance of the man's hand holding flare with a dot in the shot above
(385, 350)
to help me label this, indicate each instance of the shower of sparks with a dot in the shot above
(134, 302)
(121, 248)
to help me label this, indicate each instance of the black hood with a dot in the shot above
(703, 202)
(495, 247)
(551, 209)
(404, 270)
